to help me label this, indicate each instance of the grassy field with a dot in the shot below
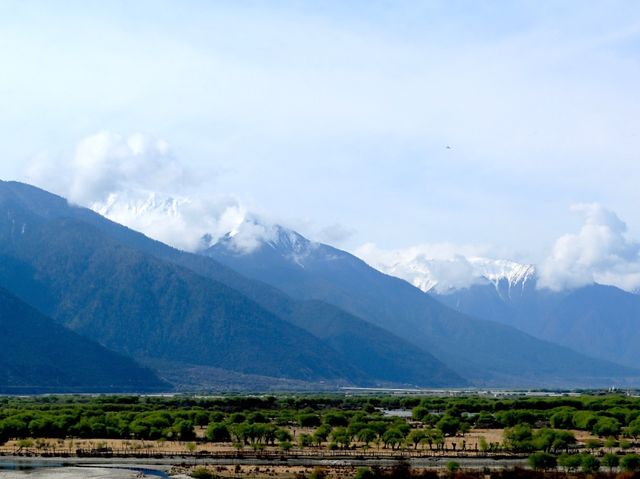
(567, 433)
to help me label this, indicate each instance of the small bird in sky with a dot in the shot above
(448, 147)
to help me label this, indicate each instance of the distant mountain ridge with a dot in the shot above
(505, 275)
(148, 300)
(601, 321)
(487, 352)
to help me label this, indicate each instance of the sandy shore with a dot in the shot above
(70, 473)
(56, 468)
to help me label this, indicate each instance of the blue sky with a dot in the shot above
(335, 117)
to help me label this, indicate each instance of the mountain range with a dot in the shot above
(597, 319)
(486, 352)
(156, 304)
(290, 312)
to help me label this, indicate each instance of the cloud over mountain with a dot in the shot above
(428, 266)
(600, 252)
(137, 181)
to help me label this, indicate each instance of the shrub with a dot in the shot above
(453, 466)
(541, 461)
(630, 462)
(364, 473)
(610, 460)
(570, 462)
(589, 463)
(202, 473)
(318, 473)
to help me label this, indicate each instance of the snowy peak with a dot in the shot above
(289, 241)
(179, 221)
(253, 236)
(275, 243)
(507, 276)
(497, 270)
(151, 204)
(445, 276)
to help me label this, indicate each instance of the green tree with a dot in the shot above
(552, 440)
(217, 432)
(633, 429)
(593, 444)
(420, 413)
(282, 435)
(542, 461)
(336, 419)
(285, 445)
(366, 435)
(483, 444)
(364, 473)
(416, 437)
(341, 437)
(570, 462)
(305, 440)
(519, 438)
(453, 467)
(611, 461)
(449, 425)
(610, 443)
(309, 420)
(589, 463)
(606, 426)
(392, 437)
(630, 462)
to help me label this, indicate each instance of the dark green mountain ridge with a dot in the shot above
(39, 356)
(145, 299)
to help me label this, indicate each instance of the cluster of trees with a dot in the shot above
(604, 416)
(95, 424)
(338, 421)
(585, 462)
(243, 420)
(522, 438)
(338, 428)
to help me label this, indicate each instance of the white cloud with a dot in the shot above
(136, 181)
(441, 266)
(107, 162)
(600, 252)
(335, 234)
(251, 233)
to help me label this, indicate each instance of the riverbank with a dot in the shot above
(123, 468)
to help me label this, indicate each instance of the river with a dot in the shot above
(56, 470)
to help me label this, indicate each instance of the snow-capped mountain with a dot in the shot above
(494, 289)
(285, 242)
(277, 247)
(499, 270)
(321, 274)
(443, 276)
(180, 221)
